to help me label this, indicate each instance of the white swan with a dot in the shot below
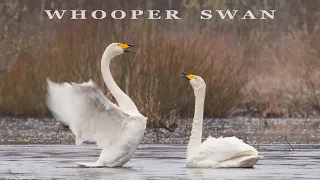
(214, 152)
(92, 117)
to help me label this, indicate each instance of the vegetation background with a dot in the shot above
(264, 68)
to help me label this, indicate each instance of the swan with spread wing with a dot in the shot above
(228, 152)
(117, 130)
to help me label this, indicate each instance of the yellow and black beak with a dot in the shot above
(188, 76)
(126, 47)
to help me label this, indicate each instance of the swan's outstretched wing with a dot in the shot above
(86, 110)
(221, 149)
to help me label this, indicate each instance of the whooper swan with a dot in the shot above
(92, 117)
(220, 152)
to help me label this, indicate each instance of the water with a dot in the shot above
(149, 162)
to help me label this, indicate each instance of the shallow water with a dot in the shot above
(149, 162)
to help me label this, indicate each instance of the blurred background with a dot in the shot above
(256, 68)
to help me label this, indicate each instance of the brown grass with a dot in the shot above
(277, 75)
(151, 76)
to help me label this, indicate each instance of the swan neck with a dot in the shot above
(124, 101)
(196, 132)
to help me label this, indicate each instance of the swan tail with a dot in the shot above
(243, 161)
(245, 153)
(246, 158)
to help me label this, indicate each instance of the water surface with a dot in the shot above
(149, 162)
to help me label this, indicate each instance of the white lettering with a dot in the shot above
(223, 16)
(172, 14)
(206, 13)
(264, 12)
(55, 13)
(94, 14)
(250, 14)
(153, 13)
(113, 14)
(82, 14)
(136, 13)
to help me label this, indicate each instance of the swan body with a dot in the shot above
(228, 152)
(117, 130)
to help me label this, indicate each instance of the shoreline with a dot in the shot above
(255, 131)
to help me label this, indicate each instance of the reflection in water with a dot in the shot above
(195, 174)
(108, 173)
(149, 162)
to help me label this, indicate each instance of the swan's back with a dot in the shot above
(226, 148)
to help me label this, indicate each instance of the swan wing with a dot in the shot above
(221, 149)
(87, 112)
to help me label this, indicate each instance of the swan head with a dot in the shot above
(119, 48)
(196, 81)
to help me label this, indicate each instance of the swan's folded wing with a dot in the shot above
(86, 110)
(221, 149)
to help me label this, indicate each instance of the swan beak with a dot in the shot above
(187, 76)
(126, 47)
